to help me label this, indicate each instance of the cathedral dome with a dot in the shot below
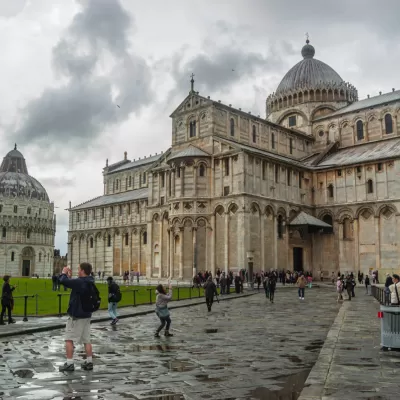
(309, 73)
(15, 180)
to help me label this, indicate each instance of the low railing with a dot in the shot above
(380, 295)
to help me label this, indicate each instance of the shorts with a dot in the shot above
(78, 330)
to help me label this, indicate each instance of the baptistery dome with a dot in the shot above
(27, 220)
(15, 180)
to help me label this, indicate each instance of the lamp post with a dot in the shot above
(250, 257)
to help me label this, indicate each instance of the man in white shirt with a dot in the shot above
(395, 290)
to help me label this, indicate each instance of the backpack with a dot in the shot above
(117, 295)
(90, 299)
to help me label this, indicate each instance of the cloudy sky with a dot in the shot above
(66, 64)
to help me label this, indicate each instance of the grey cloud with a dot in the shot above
(80, 109)
(9, 9)
(56, 182)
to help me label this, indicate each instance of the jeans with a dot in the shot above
(112, 310)
(164, 320)
(209, 301)
(367, 288)
(301, 292)
(3, 312)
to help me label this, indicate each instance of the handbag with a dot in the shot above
(162, 312)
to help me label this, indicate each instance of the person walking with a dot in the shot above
(265, 284)
(162, 309)
(367, 283)
(223, 282)
(339, 289)
(210, 289)
(7, 301)
(271, 287)
(349, 286)
(83, 301)
(395, 290)
(54, 279)
(114, 296)
(301, 284)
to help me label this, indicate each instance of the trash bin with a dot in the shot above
(390, 327)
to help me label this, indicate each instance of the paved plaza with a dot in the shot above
(244, 349)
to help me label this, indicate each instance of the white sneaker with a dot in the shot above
(302, 298)
(299, 298)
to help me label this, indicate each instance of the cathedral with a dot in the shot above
(314, 186)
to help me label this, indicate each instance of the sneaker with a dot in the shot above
(12, 321)
(67, 368)
(168, 334)
(302, 298)
(299, 298)
(87, 366)
(2, 323)
(156, 334)
(114, 321)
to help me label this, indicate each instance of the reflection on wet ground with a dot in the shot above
(243, 349)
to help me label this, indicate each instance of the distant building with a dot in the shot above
(59, 262)
(27, 221)
(315, 186)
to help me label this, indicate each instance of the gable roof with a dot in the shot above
(131, 195)
(190, 151)
(365, 103)
(138, 163)
(306, 219)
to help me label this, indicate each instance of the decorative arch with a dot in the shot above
(343, 213)
(188, 222)
(199, 221)
(365, 212)
(156, 217)
(384, 209)
(282, 212)
(321, 107)
(255, 208)
(344, 123)
(219, 210)
(233, 208)
(291, 112)
(269, 210)
(176, 221)
(324, 212)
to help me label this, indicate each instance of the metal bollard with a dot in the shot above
(178, 293)
(25, 308)
(134, 297)
(190, 292)
(151, 300)
(59, 304)
(37, 306)
(199, 291)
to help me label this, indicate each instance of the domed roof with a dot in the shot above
(309, 73)
(15, 180)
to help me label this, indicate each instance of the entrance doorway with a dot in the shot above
(297, 259)
(26, 268)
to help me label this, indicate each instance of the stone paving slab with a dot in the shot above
(259, 351)
(41, 324)
(350, 364)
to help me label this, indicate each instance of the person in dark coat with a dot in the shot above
(223, 282)
(238, 282)
(271, 287)
(210, 289)
(7, 301)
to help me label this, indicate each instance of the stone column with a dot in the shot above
(194, 233)
(182, 233)
(275, 239)
(377, 243)
(171, 252)
(182, 181)
(168, 244)
(356, 245)
(149, 252)
(212, 245)
(395, 129)
(222, 173)
(140, 252)
(120, 253)
(95, 252)
(173, 183)
(262, 239)
(167, 184)
(226, 233)
(231, 174)
(130, 250)
(194, 180)
(161, 247)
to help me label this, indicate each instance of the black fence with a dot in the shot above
(381, 295)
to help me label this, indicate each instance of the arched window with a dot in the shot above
(40, 257)
(360, 130)
(328, 220)
(144, 237)
(370, 186)
(388, 124)
(4, 234)
(330, 191)
(85, 215)
(232, 127)
(202, 170)
(347, 229)
(28, 210)
(126, 239)
(15, 209)
(91, 242)
(280, 227)
(272, 140)
(130, 181)
(254, 134)
(117, 184)
(12, 256)
(119, 210)
(109, 240)
(28, 234)
(192, 129)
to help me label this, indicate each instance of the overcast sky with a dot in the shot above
(66, 65)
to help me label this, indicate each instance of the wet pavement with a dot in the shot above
(350, 364)
(244, 349)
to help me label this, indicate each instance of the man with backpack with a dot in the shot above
(83, 301)
(114, 296)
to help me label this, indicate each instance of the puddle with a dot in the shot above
(24, 373)
(206, 378)
(211, 330)
(156, 347)
(294, 359)
(179, 366)
(292, 387)
(350, 348)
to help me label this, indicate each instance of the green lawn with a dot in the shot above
(46, 300)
